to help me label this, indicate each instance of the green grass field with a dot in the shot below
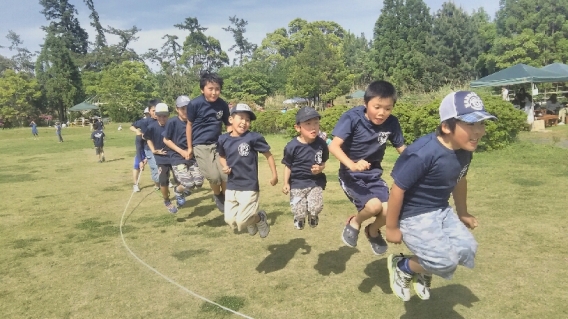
(61, 254)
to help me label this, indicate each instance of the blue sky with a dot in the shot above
(156, 18)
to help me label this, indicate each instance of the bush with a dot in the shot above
(286, 122)
(266, 122)
(330, 116)
(419, 121)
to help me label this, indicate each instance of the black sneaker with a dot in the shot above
(378, 244)
(350, 235)
(299, 223)
(314, 221)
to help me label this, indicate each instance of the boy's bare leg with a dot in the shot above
(216, 188)
(165, 192)
(380, 221)
(415, 266)
(373, 208)
(135, 173)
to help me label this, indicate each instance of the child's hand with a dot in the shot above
(360, 166)
(141, 165)
(190, 151)
(286, 189)
(317, 169)
(160, 152)
(394, 235)
(274, 180)
(184, 154)
(227, 170)
(469, 221)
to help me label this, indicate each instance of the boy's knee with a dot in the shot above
(375, 206)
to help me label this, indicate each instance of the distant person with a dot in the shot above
(58, 131)
(505, 94)
(304, 161)
(98, 138)
(419, 214)
(183, 165)
(523, 98)
(205, 116)
(34, 130)
(119, 127)
(552, 105)
(155, 141)
(139, 127)
(238, 154)
(359, 142)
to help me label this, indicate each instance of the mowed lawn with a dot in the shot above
(61, 254)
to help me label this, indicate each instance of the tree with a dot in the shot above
(59, 77)
(248, 83)
(100, 41)
(244, 48)
(19, 93)
(22, 60)
(63, 21)
(357, 55)
(125, 89)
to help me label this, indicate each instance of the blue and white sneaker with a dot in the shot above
(180, 199)
(171, 207)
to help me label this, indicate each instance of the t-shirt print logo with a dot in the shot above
(383, 137)
(98, 135)
(473, 101)
(244, 149)
(319, 157)
(463, 172)
(219, 115)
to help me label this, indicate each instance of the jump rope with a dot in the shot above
(168, 279)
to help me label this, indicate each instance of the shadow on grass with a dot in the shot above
(114, 160)
(378, 275)
(280, 255)
(186, 254)
(135, 207)
(334, 261)
(274, 215)
(441, 304)
(199, 211)
(218, 221)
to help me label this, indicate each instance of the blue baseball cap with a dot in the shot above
(465, 106)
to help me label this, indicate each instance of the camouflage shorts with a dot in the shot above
(440, 241)
(188, 175)
(306, 200)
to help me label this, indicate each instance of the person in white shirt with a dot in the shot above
(505, 94)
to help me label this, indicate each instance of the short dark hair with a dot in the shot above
(153, 102)
(382, 89)
(451, 123)
(210, 77)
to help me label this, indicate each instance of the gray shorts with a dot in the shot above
(188, 175)
(440, 241)
(306, 200)
(208, 161)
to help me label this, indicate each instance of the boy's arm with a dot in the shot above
(396, 197)
(287, 173)
(335, 149)
(223, 161)
(272, 164)
(188, 133)
(460, 200)
(173, 146)
(401, 149)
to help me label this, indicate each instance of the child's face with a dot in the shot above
(211, 91)
(152, 111)
(240, 122)
(181, 111)
(162, 119)
(467, 135)
(309, 129)
(379, 109)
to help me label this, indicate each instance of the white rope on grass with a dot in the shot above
(164, 276)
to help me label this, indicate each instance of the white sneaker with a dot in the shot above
(421, 284)
(262, 225)
(252, 229)
(136, 188)
(399, 280)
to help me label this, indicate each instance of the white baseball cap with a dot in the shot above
(465, 106)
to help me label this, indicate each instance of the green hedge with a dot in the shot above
(415, 121)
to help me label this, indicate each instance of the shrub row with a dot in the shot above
(414, 120)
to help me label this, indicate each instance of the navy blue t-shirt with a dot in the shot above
(428, 172)
(206, 119)
(154, 133)
(98, 138)
(242, 157)
(364, 140)
(300, 158)
(143, 125)
(175, 131)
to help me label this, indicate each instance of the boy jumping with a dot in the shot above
(359, 143)
(304, 161)
(419, 214)
(238, 154)
(205, 116)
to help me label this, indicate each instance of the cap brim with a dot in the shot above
(307, 118)
(184, 105)
(251, 114)
(162, 113)
(475, 117)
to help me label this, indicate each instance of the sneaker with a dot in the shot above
(252, 229)
(263, 227)
(421, 284)
(186, 192)
(299, 223)
(180, 199)
(399, 280)
(350, 235)
(156, 188)
(220, 202)
(136, 188)
(378, 244)
(314, 221)
(171, 207)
